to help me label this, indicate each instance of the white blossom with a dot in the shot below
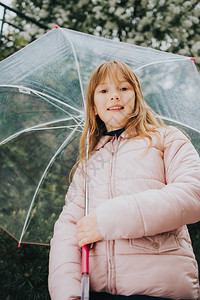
(110, 25)
(174, 9)
(194, 19)
(111, 10)
(196, 48)
(183, 51)
(151, 4)
(161, 2)
(187, 23)
(186, 4)
(43, 13)
(149, 14)
(119, 11)
(191, 31)
(169, 18)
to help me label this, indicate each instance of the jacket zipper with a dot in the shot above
(111, 244)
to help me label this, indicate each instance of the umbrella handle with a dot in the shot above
(85, 284)
(85, 259)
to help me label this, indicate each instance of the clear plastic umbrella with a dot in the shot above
(42, 116)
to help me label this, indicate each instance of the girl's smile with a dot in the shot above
(114, 102)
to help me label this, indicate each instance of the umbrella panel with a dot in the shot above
(23, 164)
(173, 96)
(92, 51)
(48, 66)
(23, 111)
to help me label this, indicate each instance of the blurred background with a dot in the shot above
(165, 25)
(172, 26)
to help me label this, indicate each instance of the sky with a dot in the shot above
(8, 3)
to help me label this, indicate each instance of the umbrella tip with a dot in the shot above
(193, 58)
(56, 26)
(19, 245)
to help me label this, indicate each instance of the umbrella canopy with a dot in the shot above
(42, 115)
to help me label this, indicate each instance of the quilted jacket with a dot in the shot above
(143, 201)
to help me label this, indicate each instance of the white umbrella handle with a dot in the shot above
(85, 287)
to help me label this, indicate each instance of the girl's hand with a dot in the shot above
(87, 231)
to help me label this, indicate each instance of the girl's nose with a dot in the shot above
(115, 97)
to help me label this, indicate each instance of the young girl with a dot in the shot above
(144, 187)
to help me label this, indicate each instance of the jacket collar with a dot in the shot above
(106, 138)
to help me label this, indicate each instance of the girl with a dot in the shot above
(144, 187)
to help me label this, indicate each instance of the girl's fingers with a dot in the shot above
(86, 220)
(82, 221)
(81, 236)
(84, 242)
(78, 225)
(83, 229)
(87, 231)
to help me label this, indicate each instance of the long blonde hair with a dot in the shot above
(142, 119)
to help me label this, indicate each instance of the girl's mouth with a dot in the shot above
(116, 108)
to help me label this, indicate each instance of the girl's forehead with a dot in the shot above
(112, 77)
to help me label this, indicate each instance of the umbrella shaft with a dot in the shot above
(85, 287)
(86, 187)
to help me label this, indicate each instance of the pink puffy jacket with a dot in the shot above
(143, 201)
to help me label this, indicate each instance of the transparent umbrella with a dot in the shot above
(42, 115)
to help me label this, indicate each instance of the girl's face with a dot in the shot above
(114, 101)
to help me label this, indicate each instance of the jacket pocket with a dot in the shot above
(164, 242)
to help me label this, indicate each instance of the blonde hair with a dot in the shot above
(142, 119)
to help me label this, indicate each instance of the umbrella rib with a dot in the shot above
(179, 123)
(57, 106)
(32, 129)
(54, 104)
(160, 62)
(40, 182)
(43, 94)
(57, 127)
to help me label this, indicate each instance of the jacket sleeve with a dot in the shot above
(155, 211)
(65, 255)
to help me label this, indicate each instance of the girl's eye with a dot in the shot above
(103, 91)
(124, 89)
